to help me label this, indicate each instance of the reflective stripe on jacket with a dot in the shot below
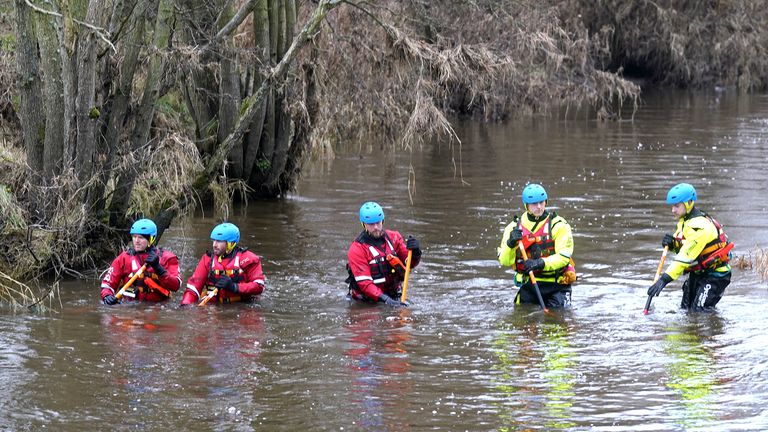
(125, 265)
(371, 272)
(241, 265)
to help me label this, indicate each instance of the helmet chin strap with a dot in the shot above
(689, 206)
(231, 246)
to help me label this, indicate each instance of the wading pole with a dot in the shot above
(131, 281)
(533, 278)
(655, 278)
(407, 273)
(208, 298)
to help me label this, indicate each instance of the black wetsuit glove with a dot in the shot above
(389, 301)
(413, 244)
(533, 265)
(659, 285)
(225, 283)
(514, 236)
(110, 300)
(671, 242)
(153, 260)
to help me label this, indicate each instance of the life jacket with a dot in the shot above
(143, 285)
(218, 269)
(715, 253)
(384, 266)
(540, 244)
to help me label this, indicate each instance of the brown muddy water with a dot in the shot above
(463, 357)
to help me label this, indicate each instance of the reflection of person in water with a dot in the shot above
(377, 359)
(219, 352)
(139, 363)
(692, 368)
(210, 368)
(534, 354)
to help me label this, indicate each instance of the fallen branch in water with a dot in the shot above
(20, 295)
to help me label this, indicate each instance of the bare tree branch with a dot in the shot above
(102, 33)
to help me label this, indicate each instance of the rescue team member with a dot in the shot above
(376, 259)
(233, 272)
(160, 278)
(702, 249)
(548, 242)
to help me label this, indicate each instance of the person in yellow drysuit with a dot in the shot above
(548, 242)
(703, 251)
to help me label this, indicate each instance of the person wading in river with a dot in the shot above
(548, 242)
(703, 251)
(159, 278)
(376, 259)
(230, 274)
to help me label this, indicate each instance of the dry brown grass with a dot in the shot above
(165, 170)
(68, 242)
(392, 72)
(20, 296)
(690, 44)
(8, 118)
(756, 259)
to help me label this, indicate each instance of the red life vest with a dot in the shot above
(541, 238)
(715, 253)
(231, 269)
(383, 273)
(540, 244)
(144, 288)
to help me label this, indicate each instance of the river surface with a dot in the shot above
(463, 356)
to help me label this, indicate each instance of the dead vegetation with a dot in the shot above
(416, 63)
(756, 259)
(385, 74)
(687, 44)
(70, 242)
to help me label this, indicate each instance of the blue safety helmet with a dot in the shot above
(534, 193)
(227, 232)
(371, 213)
(681, 193)
(146, 228)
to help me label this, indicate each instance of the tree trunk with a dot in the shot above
(31, 99)
(86, 111)
(283, 119)
(116, 118)
(303, 128)
(68, 53)
(253, 137)
(145, 111)
(54, 97)
(229, 95)
(251, 103)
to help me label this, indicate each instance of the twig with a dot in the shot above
(100, 32)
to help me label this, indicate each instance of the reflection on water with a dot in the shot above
(693, 368)
(135, 362)
(537, 371)
(378, 361)
(463, 357)
(13, 370)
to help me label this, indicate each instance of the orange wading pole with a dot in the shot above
(407, 273)
(533, 278)
(208, 298)
(655, 278)
(131, 281)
